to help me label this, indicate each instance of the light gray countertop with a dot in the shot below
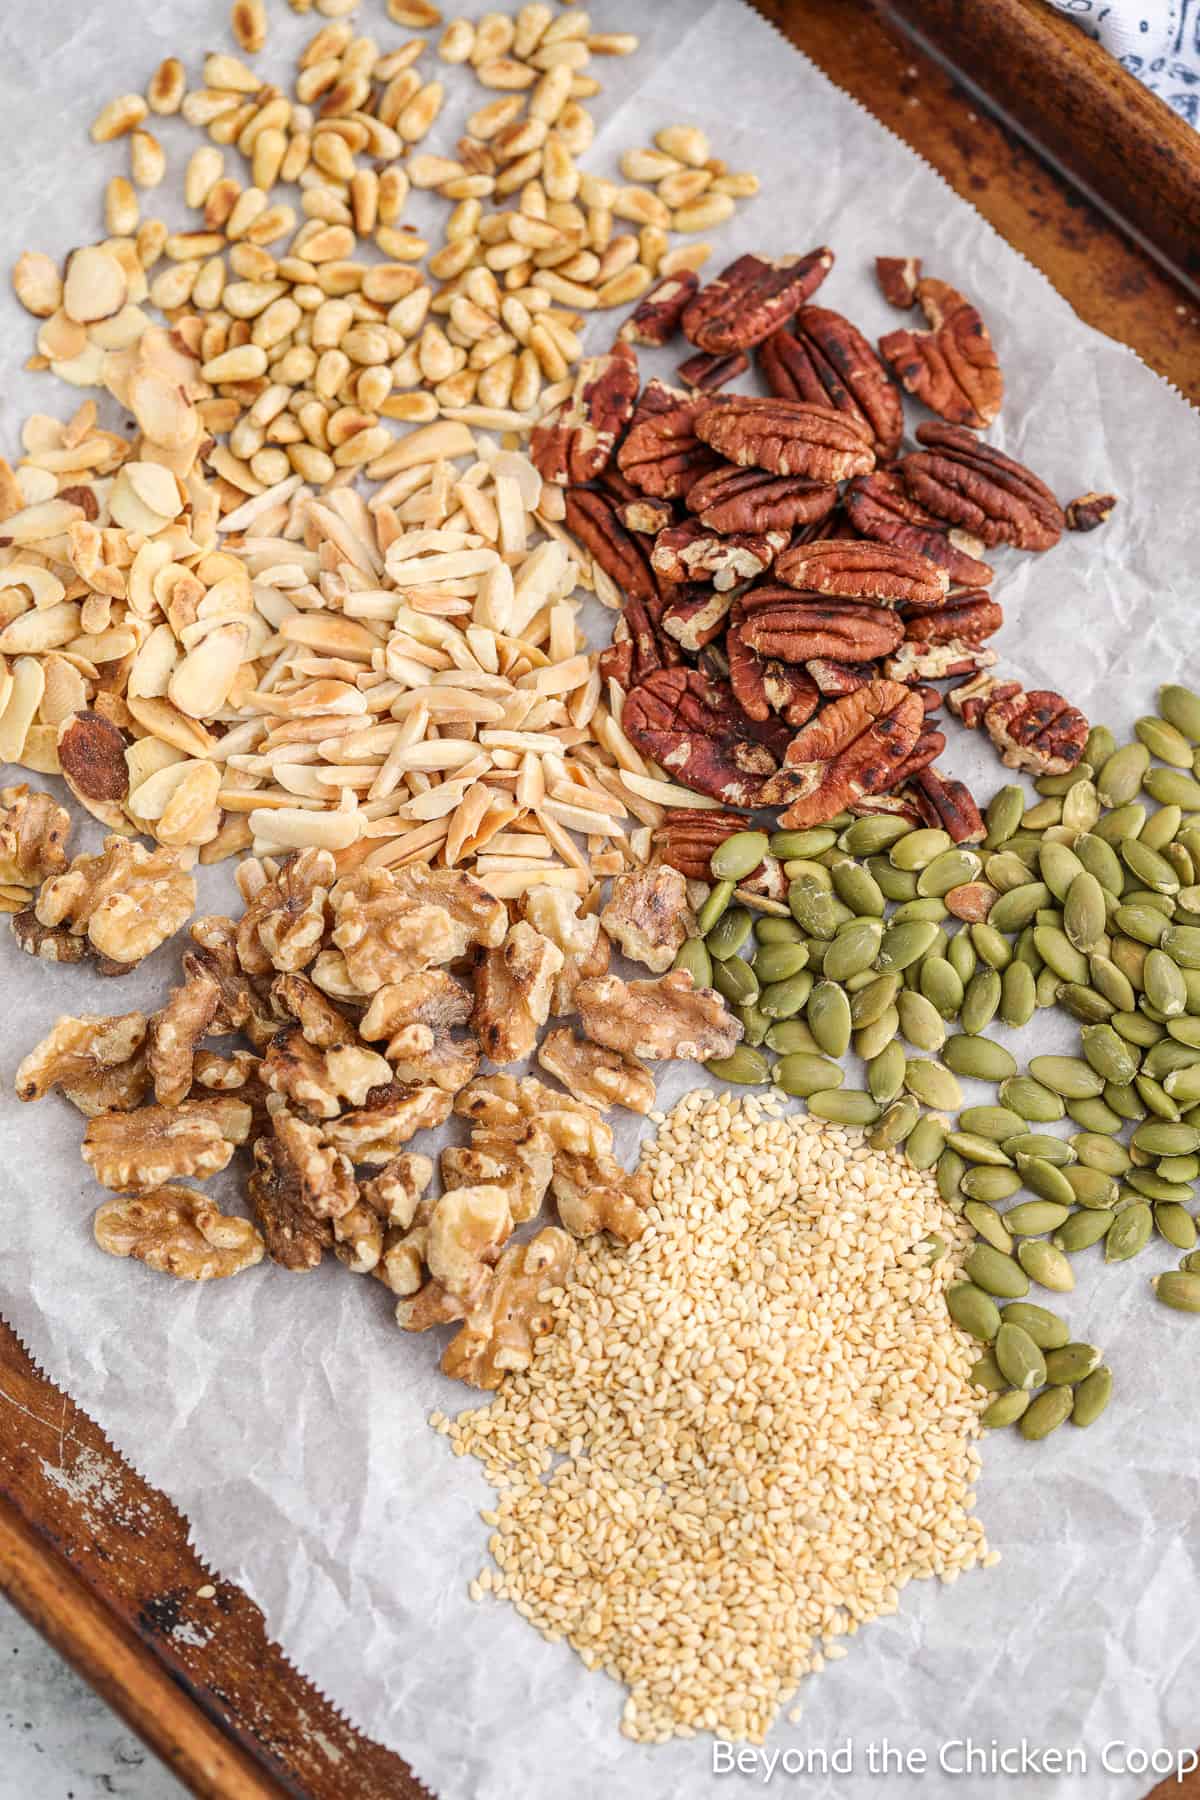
(58, 1740)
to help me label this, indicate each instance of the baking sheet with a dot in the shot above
(286, 1416)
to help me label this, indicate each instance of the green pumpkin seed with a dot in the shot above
(1047, 1412)
(872, 1039)
(720, 894)
(693, 956)
(1020, 1360)
(1018, 907)
(801, 1074)
(1018, 994)
(1084, 1003)
(812, 907)
(787, 845)
(772, 930)
(828, 1015)
(1032, 1100)
(1099, 747)
(917, 849)
(801, 869)
(932, 911)
(1005, 1409)
(976, 1312)
(1183, 1169)
(1185, 1031)
(894, 884)
(1081, 805)
(1165, 987)
(1148, 867)
(1092, 1396)
(1085, 914)
(926, 1141)
(1122, 823)
(876, 832)
(994, 1122)
(1173, 789)
(1179, 1289)
(981, 1001)
(1160, 829)
(1046, 1180)
(1182, 944)
(1129, 1232)
(853, 949)
(1108, 979)
(978, 1058)
(791, 1037)
(783, 998)
(1094, 1115)
(920, 1022)
(950, 1171)
(1046, 812)
(932, 1083)
(1153, 1186)
(1003, 815)
(1100, 860)
(754, 1025)
(1059, 954)
(989, 1184)
(1163, 1139)
(986, 1222)
(905, 943)
(1092, 1187)
(935, 1247)
(858, 889)
(940, 985)
(1069, 1076)
(729, 933)
(1181, 708)
(986, 1374)
(1108, 1055)
(1083, 1229)
(1164, 741)
(1047, 1330)
(1190, 1264)
(1054, 1150)
(1035, 1217)
(739, 855)
(992, 947)
(1121, 776)
(778, 962)
(949, 870)
(736, 981)
(885, 1073)
(962, 956)
(844, 1106)
(744, 1067)
(1005, 871)
(1058, 866)
(871, 1002)
(995, 1273)
(1046, 1265)
(897, 1121)
(1176, 1224)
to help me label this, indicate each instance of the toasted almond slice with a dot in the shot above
(43, 584)
(37, 284)
(295, 828)
(164, 721)
(95, 287)
(510, 884)
(200, 685)
(149, 800)
(331, 635)
(187, 816)
(24, 698)
(162, 409)
(36, 631)
(666, 793)
(65, 692)
(582, 819)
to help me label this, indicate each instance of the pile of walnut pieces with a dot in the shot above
(366, 1002)
(790, 579)
(115, 906)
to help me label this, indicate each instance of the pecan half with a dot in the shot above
(1037, 730)
(730, 500)
(639, 647)
(952, 368)
(688, 836)
(692, 552)
(708, 373)
(972, 484)
(575, 443)
(765, 685)
(971, 699)
(591, 517)
(656, 317)
(780, 624)
(879, 507)
(927, 749)
(661, 453)
(851, 748)
(695, 729)
(948, 803)
(968, 618)
(829, 361)
(898, 277)
(697, 616)
(1088, 511)
(752, 298)
(854, 570)
(788, 437)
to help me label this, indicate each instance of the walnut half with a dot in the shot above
(597, 1075)
(669, 1017)
(517, 1308)
(179, 1232)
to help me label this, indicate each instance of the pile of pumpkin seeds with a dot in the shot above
(904, 947)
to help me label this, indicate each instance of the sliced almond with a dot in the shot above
(165, 721)
(24, 697)
(38, 631)
(200, 685)
(185, 816)
(37, 284)
(95, 286)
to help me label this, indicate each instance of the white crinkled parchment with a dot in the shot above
(286, 1416)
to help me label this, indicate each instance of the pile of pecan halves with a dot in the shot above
(791, 581)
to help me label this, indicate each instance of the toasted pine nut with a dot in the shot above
(687, 256)
(506, 73)
(248, 22)
(457, 41)
(119, 116)
(167, 86)
(687, 142)
(120, 208)
(685, 187)
(393, 192)
(702, 214)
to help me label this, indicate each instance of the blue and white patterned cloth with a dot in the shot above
(1156, 40)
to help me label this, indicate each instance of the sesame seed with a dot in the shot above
(748, 1432)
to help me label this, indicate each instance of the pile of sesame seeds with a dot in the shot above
(749, 1430)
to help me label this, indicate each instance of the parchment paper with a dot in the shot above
(286, 1416)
